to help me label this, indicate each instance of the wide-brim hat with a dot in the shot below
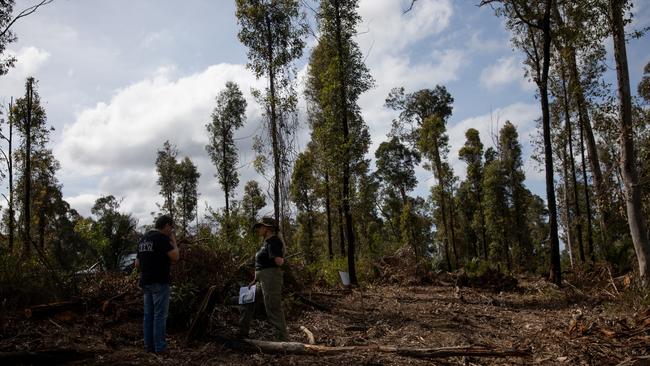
(266, 221)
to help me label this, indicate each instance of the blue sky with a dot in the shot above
(120, 77)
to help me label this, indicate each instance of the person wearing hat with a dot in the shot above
(269, 276)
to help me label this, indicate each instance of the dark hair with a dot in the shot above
(162, 221)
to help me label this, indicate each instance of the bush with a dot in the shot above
(25, 282)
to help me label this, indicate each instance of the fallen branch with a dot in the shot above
(297, 348)
(51, 308)
(200, 322)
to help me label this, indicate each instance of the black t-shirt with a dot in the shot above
(271, 248)
(152, 254)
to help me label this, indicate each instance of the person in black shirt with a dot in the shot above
(157, 250)
(268, 274)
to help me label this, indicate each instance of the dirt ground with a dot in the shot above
(558, 327)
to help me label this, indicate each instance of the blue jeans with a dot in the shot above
(156, 306)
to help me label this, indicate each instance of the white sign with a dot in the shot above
(345, 278)
(246, 295)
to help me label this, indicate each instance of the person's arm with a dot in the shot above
(279, 261)
(137, 263)
(173, 254)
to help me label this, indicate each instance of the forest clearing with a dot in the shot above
(387, 182)
(510, 321)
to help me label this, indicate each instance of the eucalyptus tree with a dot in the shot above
(167, 168)
(252, 201)
(580, 46)
(396, 165)
(344, 78)
(303, 194)
(116, 231)
(9, 159)
(434, 145)
(636, 221)
(472, 154)
(273, 32)
(228, 116)
(510, 156)
(31, 123)
(324, 136)
(187, 198)
(530, 24)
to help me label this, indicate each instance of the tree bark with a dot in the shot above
(273, 121)
(590, 235)
(27, 240)
(555, 273)
(569, 232)
(633, 205)
(328, 210)
(346, 140)
(569, 132)
(11, 179)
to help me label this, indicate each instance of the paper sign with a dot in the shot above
(246, 295)
(345, 278)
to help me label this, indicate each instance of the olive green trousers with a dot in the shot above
(268, 290)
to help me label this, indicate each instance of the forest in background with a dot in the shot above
(339, 208)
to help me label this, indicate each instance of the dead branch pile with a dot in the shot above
(490, 279)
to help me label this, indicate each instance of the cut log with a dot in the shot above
(200, 322)
(297, 348)
(52, 308)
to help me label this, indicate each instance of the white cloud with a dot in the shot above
(29, 60)
(115, 143)
(390, 30)
(505, 71)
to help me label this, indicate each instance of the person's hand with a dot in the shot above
(252, 283)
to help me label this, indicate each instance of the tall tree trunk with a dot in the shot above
(556, 272)
(342, 57)
(452, 224)
(340, 226)
(483, 228)
(567, 213)
(590, 235)
(41, 220)
(11, 179)
(602, 201)
(27, 239)
(569, 132)
(224, 168)
(328, 210)
(628, 159)
(274, 128)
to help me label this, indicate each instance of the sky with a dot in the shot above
(118, 78)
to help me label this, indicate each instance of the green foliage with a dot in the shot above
(114, 232)
(187, 199)
(166, 166)
(227, 117)
(6, 61)
(25, 282)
